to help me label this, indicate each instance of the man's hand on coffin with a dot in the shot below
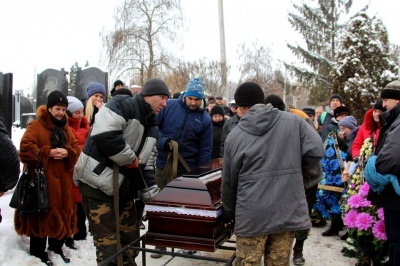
(167, 144)
(135, 164)
(150, 193)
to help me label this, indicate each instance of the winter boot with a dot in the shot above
(336, 226)
(298, 258)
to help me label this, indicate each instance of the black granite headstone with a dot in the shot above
(87, 76)
(48, 81)
(6, 81)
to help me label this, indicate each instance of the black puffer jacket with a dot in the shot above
(387, 162)
(9, 161)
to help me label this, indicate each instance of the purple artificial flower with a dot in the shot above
(364, 189)
(350, 219)
(381, 214)
(379, 230)
(364, 221)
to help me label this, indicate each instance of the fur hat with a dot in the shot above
(349, 122)
(275, 101)
(195, 88)
(123, 91)
(217, 110)
(340, 111)
(74, 104)
(309, 111)
(155, 87)
(391, 90)
(379, 105)
(336, 96)
(249, 94)
(94, 88)
(56, 98)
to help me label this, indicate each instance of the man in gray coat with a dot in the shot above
(265, 158)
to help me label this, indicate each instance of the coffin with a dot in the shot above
(187, 213)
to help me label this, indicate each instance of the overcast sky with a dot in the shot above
(41, 34)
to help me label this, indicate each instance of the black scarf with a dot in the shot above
(58, 139)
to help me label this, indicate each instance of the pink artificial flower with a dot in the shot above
(365, 203)
(350, 219)
(354, 201)
(364, 189)
(364, 221)
(381, 214)
(379, 230)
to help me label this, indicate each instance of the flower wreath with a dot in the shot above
(364, 221)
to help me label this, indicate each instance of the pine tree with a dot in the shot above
(320, 28)
(363, 64)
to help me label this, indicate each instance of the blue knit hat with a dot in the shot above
(195, 88)
(349, 122)
(94, 88)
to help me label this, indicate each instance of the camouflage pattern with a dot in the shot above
(102, 226)
(275, 248)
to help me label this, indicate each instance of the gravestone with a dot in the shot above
(87, 76)
(6, 81)
(48, 81)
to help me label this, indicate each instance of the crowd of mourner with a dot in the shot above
(284, 170)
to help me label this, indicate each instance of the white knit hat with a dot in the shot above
(74, 104)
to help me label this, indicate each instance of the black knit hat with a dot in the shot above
(56, 98)
(336, 96)
(275, 101)
(155, 87)
(379, 105)
(118, 82)
(217, 110)
(249, 94)
(340, 111)
(391, 90)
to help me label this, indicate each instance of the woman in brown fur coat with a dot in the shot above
(50, 137)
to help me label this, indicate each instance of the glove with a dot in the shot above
(133, 165)
(149, 194)
(167, 147)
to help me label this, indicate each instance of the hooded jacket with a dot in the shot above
(80, 128)
(60, 221)
(128, 129)
(262, 175)
(368, 129)
(192, 129)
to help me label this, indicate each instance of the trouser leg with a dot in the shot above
(102, 220)
(38, 247)
(81, 223)
(278, 249)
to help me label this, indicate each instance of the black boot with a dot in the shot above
(298, 258)
(345, 236)
(140, 210)
(336, 226)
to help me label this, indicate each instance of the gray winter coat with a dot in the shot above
(262, 175)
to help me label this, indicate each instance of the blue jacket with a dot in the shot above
(192, 129)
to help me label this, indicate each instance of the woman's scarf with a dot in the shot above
(378, 181)
(58, 139)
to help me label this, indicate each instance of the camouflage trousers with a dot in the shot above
(101, 217)
(276, 249)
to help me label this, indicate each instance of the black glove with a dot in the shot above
(166, 144)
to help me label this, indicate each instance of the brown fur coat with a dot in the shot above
(60, 221)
